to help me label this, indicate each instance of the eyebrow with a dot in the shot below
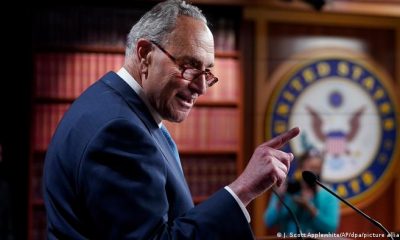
(194, 62)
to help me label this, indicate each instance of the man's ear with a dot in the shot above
(143, 54)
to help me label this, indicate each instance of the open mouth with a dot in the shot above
(186, 101)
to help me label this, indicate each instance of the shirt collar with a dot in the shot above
(124, 74)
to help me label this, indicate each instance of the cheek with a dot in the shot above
(169, 86)
(163, 83)
(161, 88)
(156, 79)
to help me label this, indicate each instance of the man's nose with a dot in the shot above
(199, 84)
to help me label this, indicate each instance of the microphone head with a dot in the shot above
(309, 177)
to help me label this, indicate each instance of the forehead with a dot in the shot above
(314, 160)
(191, 38)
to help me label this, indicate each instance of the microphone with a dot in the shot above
(311, 178)
(296, 221)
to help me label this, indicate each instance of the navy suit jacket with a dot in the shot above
(110, 174)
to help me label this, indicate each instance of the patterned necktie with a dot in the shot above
(172, 144)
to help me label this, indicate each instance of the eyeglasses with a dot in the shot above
(190, 73)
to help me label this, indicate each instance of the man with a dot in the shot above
(112, 170)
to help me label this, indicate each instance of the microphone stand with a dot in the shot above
(299, 232)
(309, 176)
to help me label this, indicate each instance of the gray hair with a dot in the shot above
(159, 22)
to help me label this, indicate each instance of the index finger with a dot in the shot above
(280, 140)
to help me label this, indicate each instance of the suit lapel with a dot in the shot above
(138, 106)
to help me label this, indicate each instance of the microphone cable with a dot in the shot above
(296, 221)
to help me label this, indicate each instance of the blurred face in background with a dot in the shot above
(313, 164)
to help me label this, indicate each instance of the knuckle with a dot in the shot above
(268, 158)
(275, 170)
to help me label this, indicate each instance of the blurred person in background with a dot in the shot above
(316, 210)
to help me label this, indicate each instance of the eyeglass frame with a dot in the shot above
(207, 72)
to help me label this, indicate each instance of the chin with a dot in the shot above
(177, 116)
